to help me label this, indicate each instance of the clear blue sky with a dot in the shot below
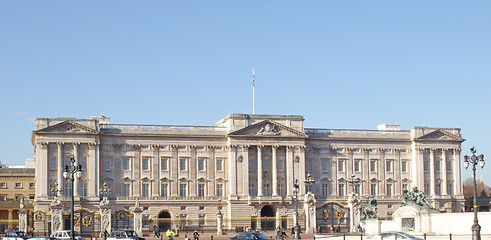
(341, 64)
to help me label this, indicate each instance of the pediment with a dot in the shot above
(440, 135)
(67, 127)
(268, 128)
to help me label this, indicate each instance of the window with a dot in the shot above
(52, 163)
(373, 189)
(219, 164)
(31, 185)
(145, 189)
(164, 164)
(426, 166)
(201, 190)
(266, 189)
(107, 164)
(325, 190)
(220, 189)
(389, 189)
(201, 221)
(182, 164)
(251, 165)
(324, 165)
(438, 189)
(437, 165)
(145, 147)
(357, 165)
(68, 190)
(201, 164)
(357, 189)
(279, 165)
(373, 165)
(449, 189)
(265, 165)
(182, 190)
(281, 189)
(252, 190)
(404, 166)
(341, 189)
(126, 164)
(201, 207)
(340, 165)
(427, 189)
(18, 185)
(83, 189)
(126, 189)
(449, 166)
(164, 190)
(182, 147)
(3, 185)
(83, 163)
(308, 165)
(68, 161)
(145, 163)
(388, 165)
(51, 189)
(405, 187)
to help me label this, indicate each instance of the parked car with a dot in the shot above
(250, 236)
(124, 235)
(65, 235)
(43, 238)
(391, 235)
(15, 235)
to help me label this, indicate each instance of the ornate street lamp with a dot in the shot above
(353, 182)
(104, 192)
(297, 227)
(309, 180)
(69, 174)
(474, 160)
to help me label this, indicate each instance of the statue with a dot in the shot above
(22, 204)
(417, 198)
(369, 210)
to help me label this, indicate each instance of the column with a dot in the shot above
(174, 162)
(432, 172)
(260, 170)
(60, 168)
(365, 172)
(397, 172)
(274, 176)
(212, 169)
(245, 169)
(76, 183)
(335, 171)
(232, 170)
(192, 171)
(155, 170)
(93, 164)
(444, 172)
(381, 172)
(456, 171)
(301, 169)
(289, 170)
(42, 168)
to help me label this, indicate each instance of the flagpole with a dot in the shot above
(253, 93)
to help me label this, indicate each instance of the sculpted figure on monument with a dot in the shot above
(417, 198)
(369, 210)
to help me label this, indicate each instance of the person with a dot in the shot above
(339, 229)
(196, 235)
(170, 234)
(331, 230)
(293, 231)
(156, 231)
(283, 234)
(105, 234)
(278, 232)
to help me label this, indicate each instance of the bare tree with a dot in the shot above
(469, 188)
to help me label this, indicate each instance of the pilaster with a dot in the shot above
(274, 170)
(260, 170)
(432, 172)
(232, 156)
(444, 172)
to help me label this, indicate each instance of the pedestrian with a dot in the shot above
(170, 234)
(196, 235)
(278, 232)
(105, 234)
(283, 234)
(293, 231)
(156, 231)
(331, 230)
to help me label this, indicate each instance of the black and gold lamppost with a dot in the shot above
(309, 180)
(474, 160)
(353, 182)
(296, 188)
(69, 174)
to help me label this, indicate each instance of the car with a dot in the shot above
(393, 235)
(15, 235)
(43, 238)
(65, 235)
(250, 236)
(124, 235)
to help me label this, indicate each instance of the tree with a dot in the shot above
(468, 188)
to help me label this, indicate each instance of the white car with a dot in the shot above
(393, 235)
(65, 235)
(15, 235)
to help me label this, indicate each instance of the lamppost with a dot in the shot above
(309, 180)
(104, 192)
(474, 160)
(297, 227)
(69, 174)
(353, 182)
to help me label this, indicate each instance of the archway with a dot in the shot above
(164, 221)
(267, 218)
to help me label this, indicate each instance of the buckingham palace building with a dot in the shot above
(242, 170)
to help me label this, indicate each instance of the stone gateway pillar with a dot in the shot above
(56, 218)
(219, 223)
(137, 218)
(105, 213)
(310, 213)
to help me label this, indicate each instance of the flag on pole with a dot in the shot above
(253, 78)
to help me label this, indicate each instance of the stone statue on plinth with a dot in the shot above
(415, 198)
(369, 210)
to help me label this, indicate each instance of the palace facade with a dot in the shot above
(244, 167)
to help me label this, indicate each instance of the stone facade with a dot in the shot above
(184, 175)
